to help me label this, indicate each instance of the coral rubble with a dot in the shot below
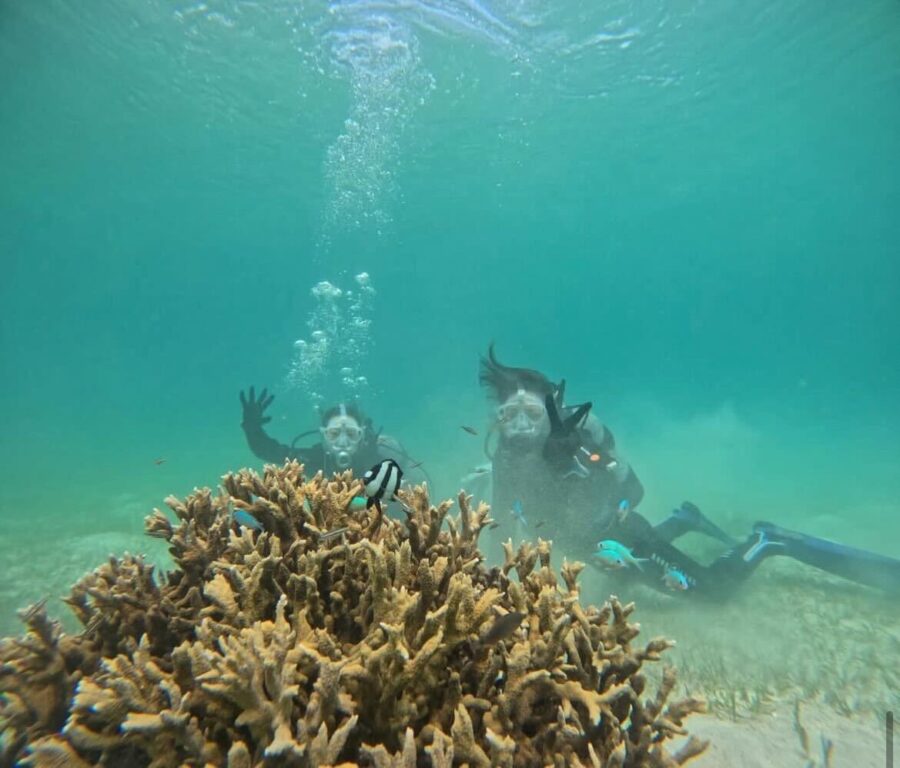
(334, 636)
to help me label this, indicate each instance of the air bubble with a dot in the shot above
(339, 324)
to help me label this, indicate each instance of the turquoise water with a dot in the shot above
(688, 210)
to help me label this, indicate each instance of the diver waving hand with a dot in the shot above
(558, 465)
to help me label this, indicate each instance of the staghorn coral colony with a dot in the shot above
(334, 636)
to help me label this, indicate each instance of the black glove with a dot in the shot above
(564, 439)
(254, 410)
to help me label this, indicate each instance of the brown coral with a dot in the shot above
(382, 645)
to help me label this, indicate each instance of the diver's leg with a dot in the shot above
(737, 564)
(656, 557)
(672, 527)
(705, 581)
(688, 518)
(857, 565)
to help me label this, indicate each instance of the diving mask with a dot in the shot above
(342, 436)
(344, 432)
(523, 415)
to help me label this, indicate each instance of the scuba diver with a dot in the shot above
(557, 460)
(348, 440)
(527, 473)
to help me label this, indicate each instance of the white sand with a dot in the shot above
(771, 741)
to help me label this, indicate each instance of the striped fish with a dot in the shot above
(382, 482)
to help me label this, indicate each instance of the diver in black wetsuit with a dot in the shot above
(556, 461)
(348, 440)
(567, 498)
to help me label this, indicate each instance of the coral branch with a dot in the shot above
(333, 636)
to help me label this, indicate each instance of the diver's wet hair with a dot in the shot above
(504, 381)
(350, 409)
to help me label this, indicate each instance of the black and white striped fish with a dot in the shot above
(382, 482)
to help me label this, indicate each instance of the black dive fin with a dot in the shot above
(556, 426)
(574, 420)
(560, 428)
(560, 393)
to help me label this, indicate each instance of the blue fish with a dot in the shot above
(244, 518)
(517, 512)
(614, 555)
(675, 580)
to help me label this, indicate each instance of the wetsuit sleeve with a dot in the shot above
(271, 451)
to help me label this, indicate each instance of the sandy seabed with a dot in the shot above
(791, 635)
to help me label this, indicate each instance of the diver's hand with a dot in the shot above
(564, 438)
(254, 409)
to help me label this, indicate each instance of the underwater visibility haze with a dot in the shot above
(687, 210)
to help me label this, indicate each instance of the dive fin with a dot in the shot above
(560, 393)
(859, 565)
(560, 428)
(573, 420)
(556, 426)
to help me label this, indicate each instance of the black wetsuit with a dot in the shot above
(577, 486)
(569, 505)
(719, 579)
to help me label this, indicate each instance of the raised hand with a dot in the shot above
(564, 439)
(254, 408)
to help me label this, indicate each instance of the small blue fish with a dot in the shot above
(614, 555)
(358, 502)
(624, 509)
(517, 512)
(675, 580)
(242, 517)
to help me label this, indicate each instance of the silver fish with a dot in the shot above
(502, 628)
(333, 534)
